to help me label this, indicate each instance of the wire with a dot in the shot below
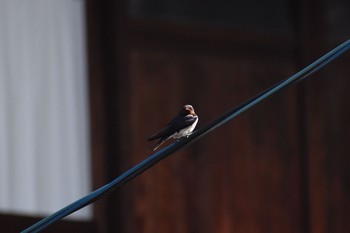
(167, 151)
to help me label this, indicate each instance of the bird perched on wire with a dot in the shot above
(181, 126)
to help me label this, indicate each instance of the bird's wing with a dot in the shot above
(177, 124)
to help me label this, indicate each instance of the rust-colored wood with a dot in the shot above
(206, 40)
(327, 106)
(325, 103)
(244, 177)
(310, 37)
(105, 56)
(281, 167)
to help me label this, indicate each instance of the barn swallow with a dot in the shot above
(181, 126)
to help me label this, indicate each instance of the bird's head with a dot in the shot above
(188, 110)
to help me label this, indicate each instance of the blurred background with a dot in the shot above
(84, 83)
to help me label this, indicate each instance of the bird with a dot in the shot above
(181, 126)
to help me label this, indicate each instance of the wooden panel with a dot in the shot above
(281, 167)
(328, 101)
(242, 178)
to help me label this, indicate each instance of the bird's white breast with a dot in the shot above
(186, 131)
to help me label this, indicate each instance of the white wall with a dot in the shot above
(44, 142)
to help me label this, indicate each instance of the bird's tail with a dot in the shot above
(158, 144)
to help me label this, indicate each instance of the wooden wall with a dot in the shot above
(242, 177)
(328, 149)
(280, 167)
